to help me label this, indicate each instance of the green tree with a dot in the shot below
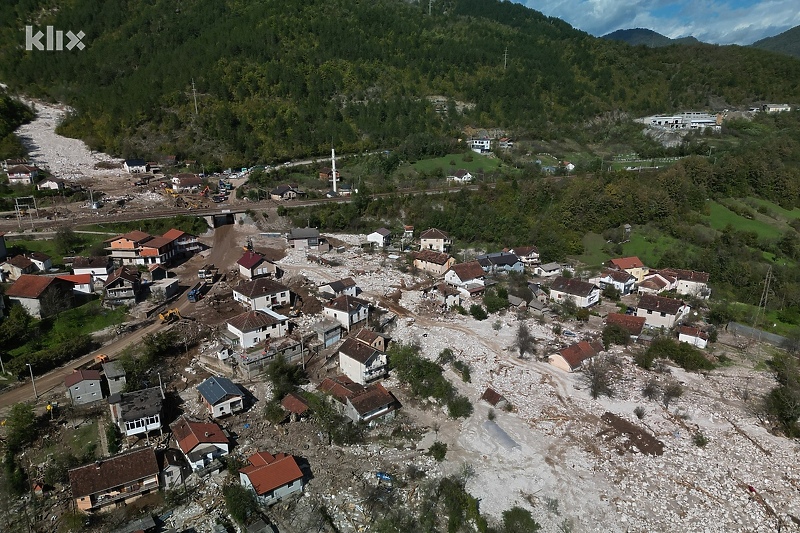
(478, 312)
(524, 342)
(284, 376)
(240, 502)
(519, 520)
(438, 450)
(274, 412)
(20, 427)
(615, 334)
(66, 240)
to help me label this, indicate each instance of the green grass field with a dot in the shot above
(48, 246)
(593, 254)
(773, 209)
(479, 162)
(720, 217)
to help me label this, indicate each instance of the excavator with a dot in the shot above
(169, 316)
(204, 192)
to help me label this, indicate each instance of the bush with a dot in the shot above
(684, 355)
(582, 314)
(113, 438)
(240, 502)
(699, 440)
(463, 369)
(639, 412)
(644, 359)
(495, 300)
(611, 292)
(671, 391)
(519, 520)
(459, 407)
(478, 312)
(615, 334)
(438, 451)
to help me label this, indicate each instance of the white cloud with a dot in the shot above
(721, 22)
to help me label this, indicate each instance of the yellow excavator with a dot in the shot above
(170, 315)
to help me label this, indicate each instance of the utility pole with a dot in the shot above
(762, 305)
(505, 58)
(430, 6)
(35, 394)
(194, 93)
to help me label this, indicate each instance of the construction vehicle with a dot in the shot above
(225, 185)
(249, 246)
(195, 293)
(207, 272)
(204, 192)
(169, 191)
(171, 315)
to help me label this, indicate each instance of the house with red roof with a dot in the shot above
(632, 324)
(254, 265)
(262, 293)
(360, 403)
(362, 362)
(436, 263)
(17, 266)
(295, 405)
(81, 283)
(115, 480)
(571, 358)
(83, 386)
(689, 282)
(272, 477)
(694, 336)
(98, 267)
(41, 296)
(200, 442)
(140, 248)
(468, 276)
(632, 265)
(657, 282)
(22, 174)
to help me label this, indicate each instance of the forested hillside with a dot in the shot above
(12, 114)
(646, 37)
(787, 42)
(282, 79)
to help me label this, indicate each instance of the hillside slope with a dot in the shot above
(646, 37)
(282, 79)
(787, 42)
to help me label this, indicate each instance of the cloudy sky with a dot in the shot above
(712, 21)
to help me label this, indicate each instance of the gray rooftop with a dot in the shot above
(138, 404)
(215, 389)
(303, 233)
(113, 370)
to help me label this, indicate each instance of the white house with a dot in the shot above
(693, 336)
(50, 184)
(548, 270)
(529, 255)
(500, 262)
(307, 239)
(83, 386)
(481, 145)
(583, 293)
(220, 396)
(619, 279)
(434, 239)
(200, 443)
(135, 166)
(661, 312)
(22, 174)
(339, 287)
(347, 310)
(656, 282)
(571, 358)
(689, 282)
(42, 261)
(359, 403)
(361, 362)
(254, 265)
(262, 293)
(138, 412)
(253, 327)
(380, 237)
(460, 176)
(468, 276)
(272, 478)
(81, 283)
(97, 267)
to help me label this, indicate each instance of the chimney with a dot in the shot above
(97, 464)
(208, 434)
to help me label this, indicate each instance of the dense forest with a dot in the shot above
(276, 80)
(12, 114)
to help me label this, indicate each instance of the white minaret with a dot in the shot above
(333, 167)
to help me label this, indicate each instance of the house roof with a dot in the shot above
(38, 256)
(294, 403)
(620, 276)
(76, 279)
(122, 273)
(383, 232)
(254, 320)
(113, 369)
(188, 180)
(356, 350)
(112, 472)
(367, 335)
(572, 286)
(433, 233)
(686, 275)
(324, 325)
(191, 434)
(21, 169)
(250, 259)
(157, 266)
(693, 332)
(216, 388)
(20, 261)
(579, 352)
(135, 162)
(651, 302)
(492, 396)
(259, 287)
(90, 262)
(81, 375)
(633, 324)
(446, 290)
(549, 267)
(431, 256)
(624, 263)
(139, 404)
(303, 233)
(267, 472)
(173, 234)
(346, 303)
(340, 387)
(281, 189)
(499, 258)
(374, 397)
(460, 173)
(29, 286)
(523, 251)
(468, 271)
(157, 242)
(135, 236)
(340, 285)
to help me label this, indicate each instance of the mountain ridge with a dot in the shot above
(648, 37)
(787, 42)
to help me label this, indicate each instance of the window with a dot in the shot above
(649, 311)
(663, 313)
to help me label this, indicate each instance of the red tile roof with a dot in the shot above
(173, 234)
(81, 375)
(294, 403)
(431, 256)
(468, 271)
(191, 434)
(433, 233)
(686, 275)
(250, 259)
(252, 320)
(20, 261)
(620, 276)
(357, 351)
(135, 236)
(76, 279)
(340, 387)
(624, 263)
(267, 472)
(633, 324)
(375, 396)
(693, 332)
(578, 353)
(28, 286)
(492, 396)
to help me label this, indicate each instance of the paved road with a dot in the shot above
(51, 385)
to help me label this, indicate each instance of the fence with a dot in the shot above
(772, 338)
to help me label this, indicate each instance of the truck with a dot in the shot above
(207, 272)
(195, 293)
